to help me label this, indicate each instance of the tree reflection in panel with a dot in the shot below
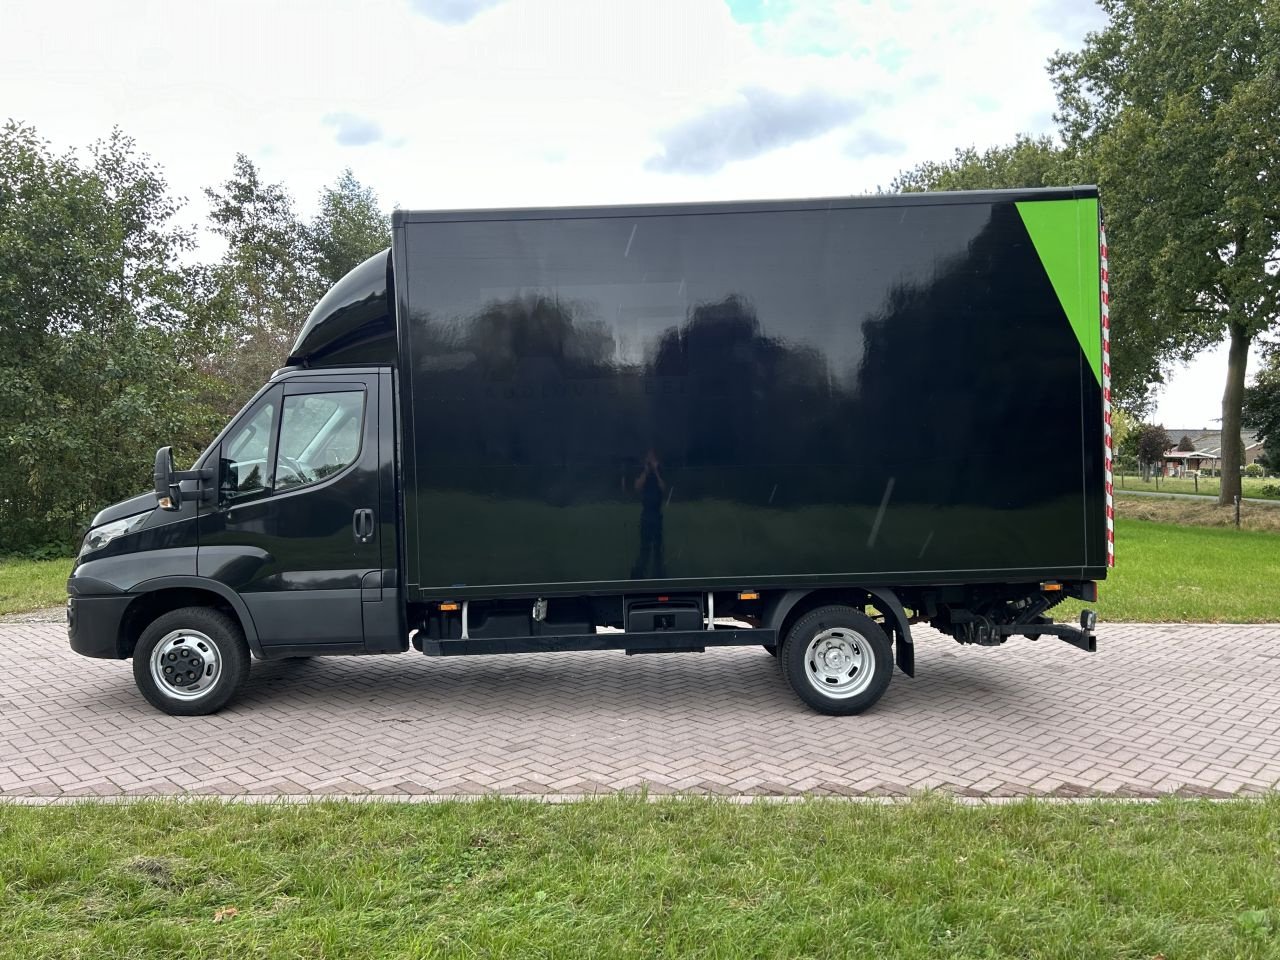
(857, 391)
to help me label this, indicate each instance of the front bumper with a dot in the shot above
(93, 625)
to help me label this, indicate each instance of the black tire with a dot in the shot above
(216, 641)
(857, 638)
(771, 650)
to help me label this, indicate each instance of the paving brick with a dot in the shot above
(1027, 719)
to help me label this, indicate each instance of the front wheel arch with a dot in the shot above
(158, 597)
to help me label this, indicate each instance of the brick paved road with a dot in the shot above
(1159, 709)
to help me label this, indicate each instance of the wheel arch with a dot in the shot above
(785, 608)
(157, 597)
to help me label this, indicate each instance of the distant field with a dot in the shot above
(1256, 487)
(624, 878)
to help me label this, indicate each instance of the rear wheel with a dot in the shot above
(191, 661)
(837, 660)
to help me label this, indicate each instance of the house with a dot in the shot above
(1207, 454)
(1180, 463)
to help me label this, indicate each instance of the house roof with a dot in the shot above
(1189, 455)
(1210, 441)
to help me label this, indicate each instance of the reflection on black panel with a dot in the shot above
(828, 392)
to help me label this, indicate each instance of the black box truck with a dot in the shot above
(800, 425)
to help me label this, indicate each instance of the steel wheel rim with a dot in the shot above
(185, 664)
(839, 663)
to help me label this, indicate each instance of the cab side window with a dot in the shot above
(243, 472)
(319, 436)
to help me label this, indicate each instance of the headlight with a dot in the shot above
(99, 537)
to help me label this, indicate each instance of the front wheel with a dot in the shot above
(837, 660)
(191, 662)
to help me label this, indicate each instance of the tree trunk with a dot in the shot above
(1232, 399)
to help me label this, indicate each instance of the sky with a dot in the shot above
(489, 103)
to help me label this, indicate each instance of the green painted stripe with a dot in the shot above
(1065, 235)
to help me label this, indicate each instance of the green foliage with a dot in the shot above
(1261, 410)
(1270, 457)
(1173, 109)
(1027, 162)
(349, 229)
(1253, 470)
(1150, 441)
(1122, 424)
(113, 345)
(257, 296)
(92, 312)
(275, 268)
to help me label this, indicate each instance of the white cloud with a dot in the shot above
(755, 122)
(532, 101)
(352, 130)
(452, 11)
(872, 143)
(1070, 19)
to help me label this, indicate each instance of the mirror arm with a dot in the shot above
(204, 483)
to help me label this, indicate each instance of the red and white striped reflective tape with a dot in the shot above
(1106, 400)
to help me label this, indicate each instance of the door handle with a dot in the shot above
(362, 525)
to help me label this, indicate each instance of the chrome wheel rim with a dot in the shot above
(185, 664)
(839, 663)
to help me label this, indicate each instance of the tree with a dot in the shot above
(1150, 442)
(1173, 109)
(1121, 427)
(1027, 162)
(1185, 445)
(1269, 459)
(257, 296)
(1261, 412)
(96, 369)
(275, 268)
(349, 229)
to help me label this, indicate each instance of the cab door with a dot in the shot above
(295, 528)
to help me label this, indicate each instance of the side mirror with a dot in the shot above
(168, 489)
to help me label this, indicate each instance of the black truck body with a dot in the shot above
(651, 428)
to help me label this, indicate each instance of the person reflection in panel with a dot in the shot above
(652, 489)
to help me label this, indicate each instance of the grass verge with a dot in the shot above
(31, 584)
(1199, 513)
(1187, 573)
(623, 878)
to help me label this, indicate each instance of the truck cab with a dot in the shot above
(284, 532)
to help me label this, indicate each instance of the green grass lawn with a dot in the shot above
(31, 584)
(1174, 573)
(1258, 487)
(623, 878)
